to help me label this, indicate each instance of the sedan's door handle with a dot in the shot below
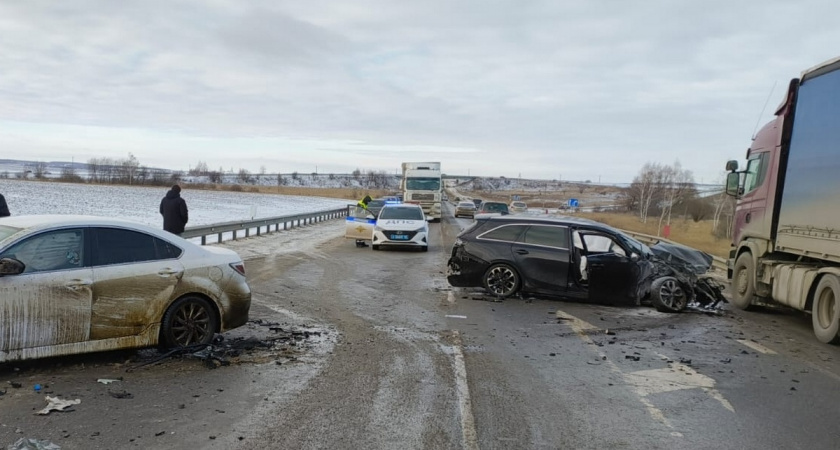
(78, 283)
(167, 272)
(521, 252)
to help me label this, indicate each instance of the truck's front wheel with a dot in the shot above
(743, 281)
(825, 311)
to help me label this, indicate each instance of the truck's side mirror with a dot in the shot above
(732, 166)
(733, 183)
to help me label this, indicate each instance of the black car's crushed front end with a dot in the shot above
(691, 268)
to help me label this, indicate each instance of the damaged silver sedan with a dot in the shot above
(76, 284)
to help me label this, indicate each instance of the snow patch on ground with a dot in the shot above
(304, 239)
(141, 204)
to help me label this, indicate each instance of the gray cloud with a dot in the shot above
(541, 88)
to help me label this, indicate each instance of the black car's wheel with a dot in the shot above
(190, 320)
(501, 280)
(667, 295)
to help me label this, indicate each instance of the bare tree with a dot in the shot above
(93, 169)
(39, 169)
(244, 176)
(68, 173)
(646, 187)
(127, 169)
(200, 169)
(676, 184)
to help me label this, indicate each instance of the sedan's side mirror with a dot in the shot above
(11, 266)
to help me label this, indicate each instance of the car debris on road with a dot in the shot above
(57, 404)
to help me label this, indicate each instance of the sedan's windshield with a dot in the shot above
(422, 184)
(401, 214)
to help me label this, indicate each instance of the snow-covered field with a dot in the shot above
(141, 203)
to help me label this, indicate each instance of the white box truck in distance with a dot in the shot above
(421, 184)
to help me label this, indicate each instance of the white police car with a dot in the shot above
(401, 225)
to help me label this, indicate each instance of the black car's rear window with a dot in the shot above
(504, 233)
(547, 236)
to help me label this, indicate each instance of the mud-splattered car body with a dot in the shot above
(76, 284)
(565, 257)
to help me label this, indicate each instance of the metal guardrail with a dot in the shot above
(718, 263)
(258, 225)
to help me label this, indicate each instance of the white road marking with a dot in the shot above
(647, 382)
(469, 434)
(582, 328)
(453, 316)
(290, 314)
(675, 378)
(757, 347)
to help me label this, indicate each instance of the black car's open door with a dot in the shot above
(615, 279)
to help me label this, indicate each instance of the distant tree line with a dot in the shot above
(663, 191)
(130, 171)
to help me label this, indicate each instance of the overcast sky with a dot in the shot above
(542, 89)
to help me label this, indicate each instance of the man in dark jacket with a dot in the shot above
(4, 208)
(173, 208)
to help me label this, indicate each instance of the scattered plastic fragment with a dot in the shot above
(107, 380)
(57, 404)
(121, 395)
(33, 444)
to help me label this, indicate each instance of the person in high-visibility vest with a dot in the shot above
(364, 202)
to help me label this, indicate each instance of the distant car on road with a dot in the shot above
(493, 208)
(401, 225)
(465, 209)
(518, 207)
(77, 284)
(477, 202)
(375, 205)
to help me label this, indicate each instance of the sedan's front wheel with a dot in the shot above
(501, 280)
(190, 320)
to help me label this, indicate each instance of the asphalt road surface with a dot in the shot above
(373, 350)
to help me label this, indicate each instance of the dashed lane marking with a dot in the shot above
(469, 434)
(757, 347)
